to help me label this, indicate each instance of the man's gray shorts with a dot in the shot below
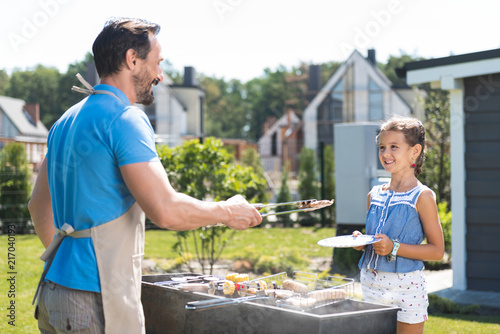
(63, 310)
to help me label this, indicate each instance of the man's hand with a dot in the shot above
(242, 214)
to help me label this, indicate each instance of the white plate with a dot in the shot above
(348, 241)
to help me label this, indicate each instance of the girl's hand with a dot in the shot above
(383, 247)
(358, 248)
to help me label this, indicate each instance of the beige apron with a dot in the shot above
(119, 250)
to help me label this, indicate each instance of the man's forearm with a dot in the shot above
(40, 207)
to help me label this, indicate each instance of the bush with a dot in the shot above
(288, 262)
(445, 218)
(284, 196)
(308, 184)
(345, 260)
(206, 171)
(15, 188)
(329, 182)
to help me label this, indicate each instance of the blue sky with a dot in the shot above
(240, 38)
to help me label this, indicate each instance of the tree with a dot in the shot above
(68, 97)
(206, 171)
(15, 188)
(329, 181)
(39, 85)
(436, 171)
(394, 63)
(227, 111)
(328, 69)
(251, 158)
(284, 195)
(174, 74)
(308, 181)
(4, 81)
(273, 93)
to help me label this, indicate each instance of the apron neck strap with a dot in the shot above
(89, 90)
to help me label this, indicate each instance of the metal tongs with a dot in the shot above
(298, 204)
(302, 206)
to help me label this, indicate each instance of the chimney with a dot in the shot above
(314, 81)
(371, 57)
(33, 109)
(190, 77)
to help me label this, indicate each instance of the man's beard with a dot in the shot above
(143, 92)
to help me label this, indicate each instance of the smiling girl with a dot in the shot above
(402, 212)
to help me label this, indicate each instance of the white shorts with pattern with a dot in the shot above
(405, 290)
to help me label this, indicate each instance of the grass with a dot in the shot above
(462, 324)
(266, 241)
(28, 268)
(272, 242)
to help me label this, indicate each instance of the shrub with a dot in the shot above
(308, 184)
(345, 260)
(445, 218)
(284, 195)
(15, 188)
(288, 262)
(206, 171)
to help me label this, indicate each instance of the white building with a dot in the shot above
(178, 111)
(357, 92)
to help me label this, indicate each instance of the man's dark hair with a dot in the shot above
(118, 36)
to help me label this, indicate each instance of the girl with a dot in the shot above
(401, 213)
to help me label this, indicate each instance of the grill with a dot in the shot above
(168, 308)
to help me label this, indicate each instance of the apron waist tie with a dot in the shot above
(49, 254)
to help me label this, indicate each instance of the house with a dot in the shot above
(168, 114)
(357, 92)
(473, 81)
(20, 122)
(178, 113)
(281, 142)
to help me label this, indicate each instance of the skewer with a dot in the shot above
(260, 206)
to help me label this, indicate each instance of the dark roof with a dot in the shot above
(475, 56)
(14, 110)
(451, 60)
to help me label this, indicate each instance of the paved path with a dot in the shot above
(440, 282)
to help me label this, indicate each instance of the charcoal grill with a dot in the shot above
(165, 312)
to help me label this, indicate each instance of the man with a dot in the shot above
(100, 176)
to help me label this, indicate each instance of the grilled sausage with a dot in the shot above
(294, 286)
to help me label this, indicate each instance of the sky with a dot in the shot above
(238, 39)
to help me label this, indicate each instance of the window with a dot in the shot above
(336, 102)
(274, 144)
(330, 112)
(376, 102)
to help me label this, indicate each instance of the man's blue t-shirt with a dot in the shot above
(86, 148)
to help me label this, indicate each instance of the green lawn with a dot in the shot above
(266, 241)
(271, 242)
